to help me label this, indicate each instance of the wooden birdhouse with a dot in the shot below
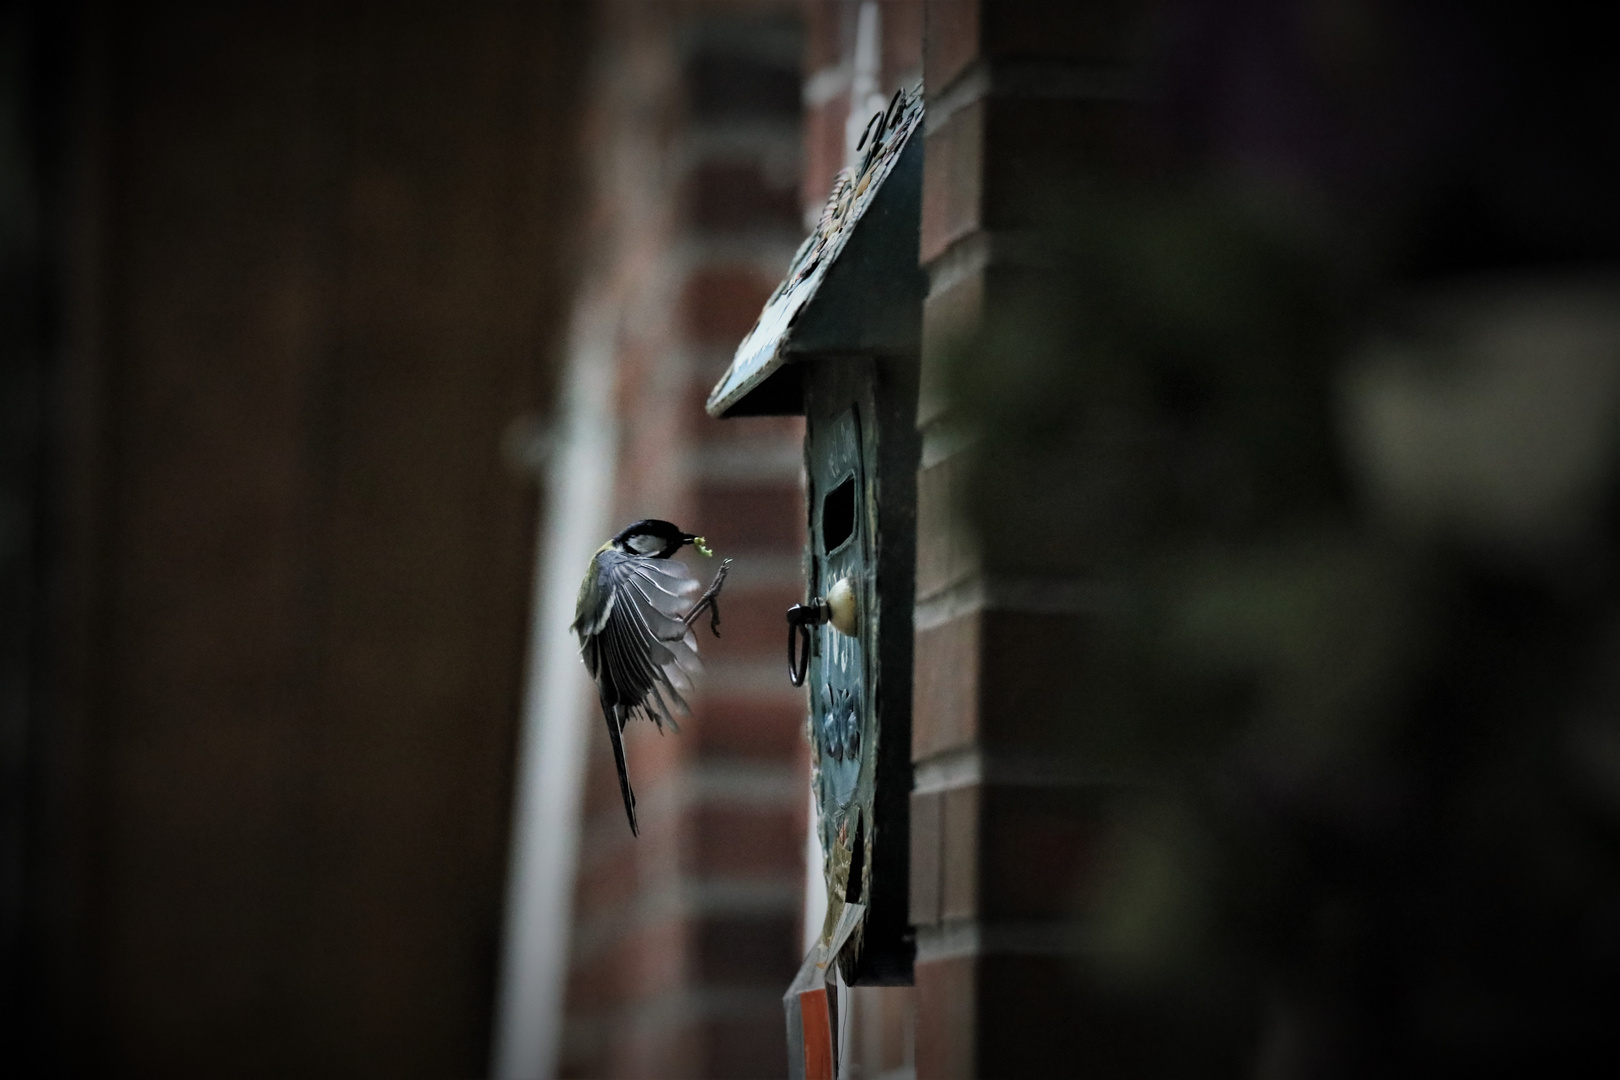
(838, 343)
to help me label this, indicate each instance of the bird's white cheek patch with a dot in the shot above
(644, 545)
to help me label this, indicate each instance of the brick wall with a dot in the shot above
(685, 938)
(1024, 102)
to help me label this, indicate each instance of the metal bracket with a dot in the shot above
(800, 618)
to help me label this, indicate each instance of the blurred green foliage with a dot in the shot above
(1369, 821)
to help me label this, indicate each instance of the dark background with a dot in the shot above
(276, 280)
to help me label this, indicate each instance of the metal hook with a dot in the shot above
(800, 618)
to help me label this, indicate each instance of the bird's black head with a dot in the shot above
(650, 536)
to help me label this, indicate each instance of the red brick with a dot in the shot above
(953, 181)
(722, 302)
(730, 197)
(950, 315)
(1036, 844)
(902, 40)
(592, 986)
(946, 545)
(640, 961)
(728, 83)
(999, 163)
(879, 1029)
(945, 688)
(691, 401)
(927, 812)
(603, 804)
(738, 727)
(752, 626)
(897, 1046)
(823, 150)
(752, 517)
(746, 950)
(1021, 704)
(934, 511)
(654, 1052)
(605, 883)
(648, 960)
(947, 1027)
(745, 1048)
(950, 40)
(743, 429)
(738, 840)
(654, 755)
(826, 33)
(960, 834)
(601, 787)
(654, 959)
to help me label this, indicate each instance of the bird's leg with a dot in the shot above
(711, 600)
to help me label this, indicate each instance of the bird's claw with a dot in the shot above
(711, 600)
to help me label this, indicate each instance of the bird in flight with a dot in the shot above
(635, 630)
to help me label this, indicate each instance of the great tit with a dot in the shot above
(634, 636)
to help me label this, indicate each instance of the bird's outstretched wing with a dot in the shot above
(636, 644)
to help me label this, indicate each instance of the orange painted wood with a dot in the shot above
(818, 1050)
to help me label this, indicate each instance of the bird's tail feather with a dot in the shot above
(616, 734)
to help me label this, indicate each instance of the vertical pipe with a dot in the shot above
(866, 98)
(557, 701)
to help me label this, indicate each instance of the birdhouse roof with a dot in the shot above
(851, 283)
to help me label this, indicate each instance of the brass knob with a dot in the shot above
(842, 610)
(838, 608)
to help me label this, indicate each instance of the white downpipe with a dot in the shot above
(866, 98)
(556, 713)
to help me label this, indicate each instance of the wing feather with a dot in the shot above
(645, 655)
(630, 619)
